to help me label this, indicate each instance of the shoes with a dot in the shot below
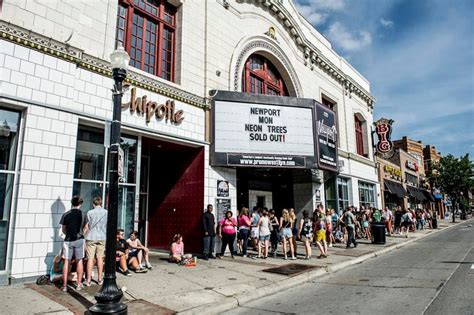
(127, 273)
(206, 257)
(100, 282)
(232, 256)
(220, 256)
(149, 266)
(87, 283)
(140, 270)
(79, 287)
(64, 289)
(293, 258)
(274, 254)
(212, 256)
(330, 245)
(406, 235)
(244, 256)
(286, 258)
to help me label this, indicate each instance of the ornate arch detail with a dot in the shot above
(274, 54)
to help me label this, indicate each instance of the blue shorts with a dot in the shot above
(286, 233)
(263, 238)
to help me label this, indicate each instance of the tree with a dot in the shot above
(453, 176)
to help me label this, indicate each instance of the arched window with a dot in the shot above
(261, 77)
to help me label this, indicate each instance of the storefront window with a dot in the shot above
(91, 164)
(330, 193)
(366, 194)
(343, 192)
(9, 134)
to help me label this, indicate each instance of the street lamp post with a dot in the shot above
(109, 296)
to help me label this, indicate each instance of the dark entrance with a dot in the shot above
(278, 181)
(175, 188)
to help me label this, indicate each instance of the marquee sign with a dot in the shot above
(262, 131)
(383, 129)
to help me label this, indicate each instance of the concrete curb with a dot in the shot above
(285, 284)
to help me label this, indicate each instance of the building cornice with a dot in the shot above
(64, 51)
(313, 56)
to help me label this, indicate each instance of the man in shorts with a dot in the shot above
(95, 231)
(72, 225)
(320, 228)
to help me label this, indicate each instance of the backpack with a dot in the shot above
(307, 227)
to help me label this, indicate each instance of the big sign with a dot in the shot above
(262, 134)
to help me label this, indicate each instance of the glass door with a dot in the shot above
(9, 135)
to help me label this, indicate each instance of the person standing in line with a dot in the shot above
(95, 232)
(329, 228)
(294, 230)
(72, 225)
(285, 228)
(254, 229)
(320, 224)
(306, 233)
(274, 233)
(244, 229)
(349, 222)
(209, 225)
(264, 234)
(388, 220)
(398, 220)
(227, 232)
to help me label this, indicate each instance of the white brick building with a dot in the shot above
(55, 100)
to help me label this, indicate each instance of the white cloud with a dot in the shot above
(346, 40)
(311, 15)
(333, 5)
(386, 23)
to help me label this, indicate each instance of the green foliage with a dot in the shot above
(453, 175)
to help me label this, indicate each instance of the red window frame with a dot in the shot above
(262, 77)
(359, 136)
(147, 30)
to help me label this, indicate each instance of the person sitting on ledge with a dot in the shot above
(123, 259)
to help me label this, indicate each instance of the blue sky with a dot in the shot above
(418, 56)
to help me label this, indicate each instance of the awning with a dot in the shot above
(395, 188)
(416, 193)
(428, 195)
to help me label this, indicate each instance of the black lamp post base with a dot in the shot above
(108, 308)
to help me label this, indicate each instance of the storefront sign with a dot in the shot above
(383, 129)
(412, 165)
(222, 188)
(392, 170)
(144, 107)
(222, 206)
(326, 135)
(261, 134)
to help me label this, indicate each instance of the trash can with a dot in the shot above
(378, 233)
(434, 223)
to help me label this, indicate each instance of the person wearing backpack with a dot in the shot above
(349, 221)
(306, 233)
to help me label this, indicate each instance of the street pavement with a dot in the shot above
(399, 268)
(431, 276)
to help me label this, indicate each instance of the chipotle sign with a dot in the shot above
(149, 108)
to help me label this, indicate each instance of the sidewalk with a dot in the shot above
(211, 287)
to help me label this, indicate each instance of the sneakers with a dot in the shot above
(127, 273)
(293, 258)
(140, 270)
(212, 256)
(64, 289)
(149, 266)
(79, 287)
(100, 282)
(330, 245)
(87, 283)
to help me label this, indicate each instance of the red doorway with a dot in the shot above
(176, 194)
